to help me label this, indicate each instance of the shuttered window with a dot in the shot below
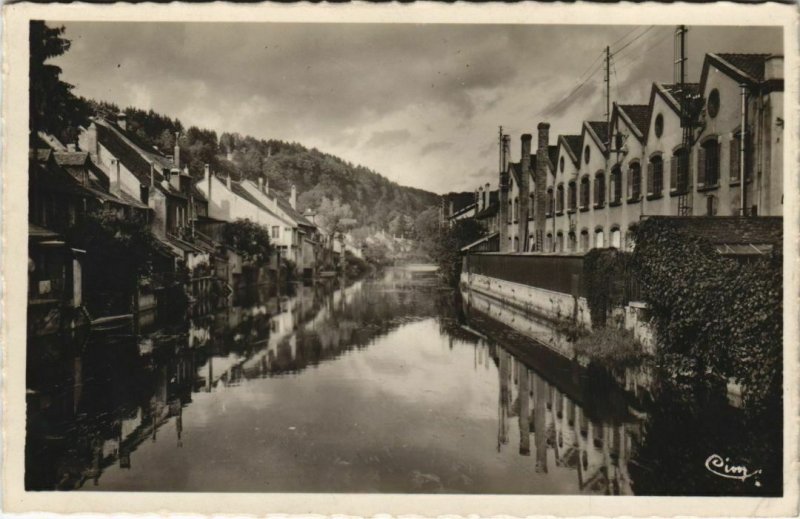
(599, 189)
(701, 167)
(635, 181)
(710, 162)
(585, 192)
(650, 174)
(616, 185)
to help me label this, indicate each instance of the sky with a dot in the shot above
(418, 103)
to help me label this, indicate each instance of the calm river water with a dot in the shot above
(388, 384)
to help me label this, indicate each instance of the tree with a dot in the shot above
(53, 108)
(249, 239)
(446, 250)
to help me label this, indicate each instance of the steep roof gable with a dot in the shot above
(636, 117)
(597, 130)
(572, 145)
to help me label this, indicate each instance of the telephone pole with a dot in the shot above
(679, 73)
(608, 95)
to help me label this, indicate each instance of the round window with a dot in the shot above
(713, 103)
(659, 126)
(586, 153)
(561, 164)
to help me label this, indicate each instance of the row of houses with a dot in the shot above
(712, 148)
(110, 171)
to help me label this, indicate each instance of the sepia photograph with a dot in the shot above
(520, 259)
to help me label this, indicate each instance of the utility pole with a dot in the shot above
(608, 96)
(687, 122)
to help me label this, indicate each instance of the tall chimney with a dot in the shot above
(293, 197)
(90, 142)
(152, 174)
(540, 181)
(503, 196)
(207, 178)
(176, 157)
(524, 190)
(116, 188)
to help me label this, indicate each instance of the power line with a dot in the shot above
(574, 91)
(633, 40)
(651, 47)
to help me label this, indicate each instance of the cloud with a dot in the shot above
(388, 96)
(435, 146)
(387, 138)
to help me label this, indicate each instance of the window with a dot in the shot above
(655, 176)
(616, 237)
(585, 192)
(708, 164)
(560, 198)
(584, 240)
(510, 212)
(599, 238)
(572, 196)
(586, 153)
(516, 209)
(679, 171)
(560, 241)
(616, 185)
(275, 231)
(561, 164)
(635, 182)
(548, 242)
(531, 206)
(599, 190)
(713, 103)
(659, 125)
(572, 242)
(516, 244)
(550, 201)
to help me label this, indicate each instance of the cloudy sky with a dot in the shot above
(420, 104)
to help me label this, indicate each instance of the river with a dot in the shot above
(387, 384)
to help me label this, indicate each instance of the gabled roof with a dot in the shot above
(571, 143)
(552, 154)
(598, 130)
(241, 192)
(516, 170)
(293, 213)
(741, 67)
(128, 153)
(672, 94)
(71, 158)
(637, 117)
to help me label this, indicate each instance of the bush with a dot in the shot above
(250, 239)
(713, 314)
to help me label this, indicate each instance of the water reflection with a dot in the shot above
(388, 384)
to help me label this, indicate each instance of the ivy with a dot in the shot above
(605, 272)
(713, 315)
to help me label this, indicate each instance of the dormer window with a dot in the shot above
(586, 153)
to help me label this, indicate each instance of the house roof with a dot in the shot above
(71, 158)
(598, 130)
(572, 145)
(672, 93)
(732, 234)
(552, 153)
(638, 116)
(488, 211)
(113, 139)
(751, 65)
(293, 213)
(241, 192)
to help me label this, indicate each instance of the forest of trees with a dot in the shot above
(376, 202)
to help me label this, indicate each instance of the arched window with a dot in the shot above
(655, 176)
(560, 198)
(599, 189)
(516, 244)
(599, 238)
(550, 201)
(510, 212)
(559, 241)
(585, 240)
(634, 182)
(516, 209)
(548, 242)
(572, 196)
(572, 242)
(616, 237)
(616, 185)
(679, 171)
(708, 164)
(585, 192)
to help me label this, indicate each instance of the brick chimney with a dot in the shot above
(116, 187)
(89, 141)
(176, 156)
(207, 180)
(293, 197)
(524, 190)
(503, 196)
(540, 181)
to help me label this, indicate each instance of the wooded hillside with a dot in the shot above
(375, 201)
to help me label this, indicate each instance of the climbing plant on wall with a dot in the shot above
(713, 315)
